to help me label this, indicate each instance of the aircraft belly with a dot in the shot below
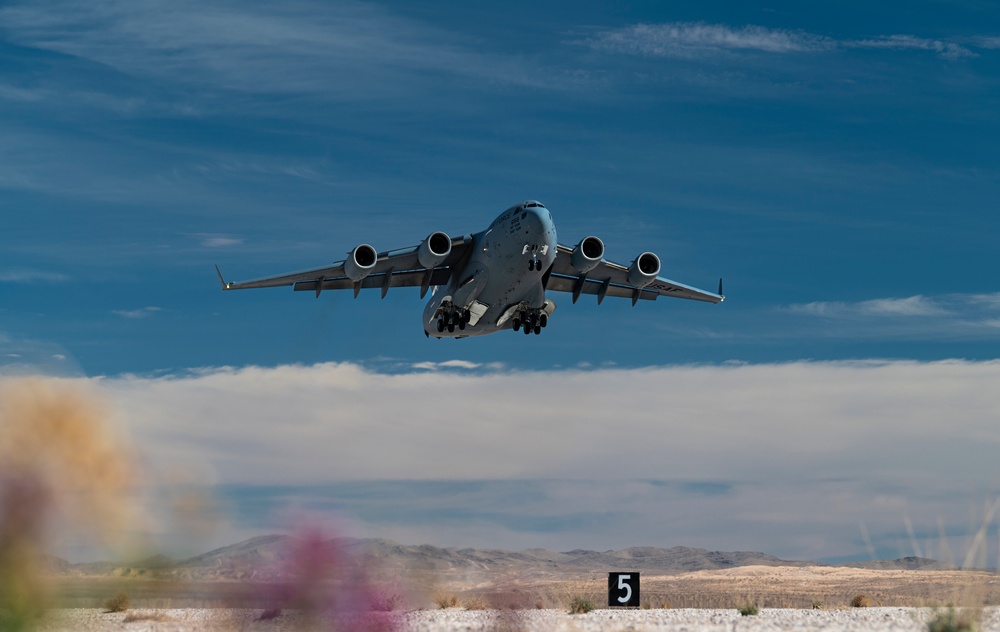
(501, 276)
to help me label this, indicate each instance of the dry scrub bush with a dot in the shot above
(446, 601)
(952, 620)
(861, 601)
(749, 610)
(119, 603)
(580, 605)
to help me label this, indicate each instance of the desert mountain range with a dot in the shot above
(266, 557)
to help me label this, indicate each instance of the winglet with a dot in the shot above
(225, 286)
(720, 287)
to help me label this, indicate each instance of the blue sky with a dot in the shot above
(837, 164)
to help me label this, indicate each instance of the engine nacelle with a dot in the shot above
(587, 254)
(360, 263)
(644, 269)
(434, 250)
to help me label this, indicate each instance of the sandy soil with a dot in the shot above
(772, 586)
(455, 620)
(810, 598)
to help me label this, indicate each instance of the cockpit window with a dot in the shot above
(534, 205)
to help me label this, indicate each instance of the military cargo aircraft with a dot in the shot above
(492, 280)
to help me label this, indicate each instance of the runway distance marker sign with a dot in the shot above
(623, 590)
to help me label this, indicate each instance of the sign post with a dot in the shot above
(623, 590)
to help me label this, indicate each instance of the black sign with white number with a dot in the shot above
(623, 590)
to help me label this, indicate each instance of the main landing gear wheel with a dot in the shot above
(452, 317)
(532, 320)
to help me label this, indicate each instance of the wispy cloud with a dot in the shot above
(226, 168)
(312, 48)
(32, 276)
(218, 240)
(696, 39)
(447, 364)
(24, 95)
(689, 39)
(911, 306)
(135, 314)
(944, 317)
(20, 355)
(945, 50)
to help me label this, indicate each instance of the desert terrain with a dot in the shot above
(414, 577)
(433, 589)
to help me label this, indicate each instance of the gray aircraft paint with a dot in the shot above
(492, 280)
(498, 263)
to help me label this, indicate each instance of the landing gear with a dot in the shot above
(451, 317)
(533, 320)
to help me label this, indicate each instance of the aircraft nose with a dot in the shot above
(536, 219)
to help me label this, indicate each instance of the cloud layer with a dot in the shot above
(786, 458)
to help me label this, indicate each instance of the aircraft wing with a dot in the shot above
(611, 279)
(393, 268)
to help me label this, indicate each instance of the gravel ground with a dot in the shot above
(456, 620)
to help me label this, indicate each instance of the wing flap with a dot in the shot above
(402, 264)
(562, 283)
(402, 278)
(564, 279)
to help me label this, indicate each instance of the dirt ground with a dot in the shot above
(765, 586)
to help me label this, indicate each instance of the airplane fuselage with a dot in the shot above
(499, 283)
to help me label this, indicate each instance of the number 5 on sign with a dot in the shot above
(623, 590)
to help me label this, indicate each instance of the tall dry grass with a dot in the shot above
(61, 462)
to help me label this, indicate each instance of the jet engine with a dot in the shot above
(644, 269)
(434, 250)
(587, 254)
(360, 263)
